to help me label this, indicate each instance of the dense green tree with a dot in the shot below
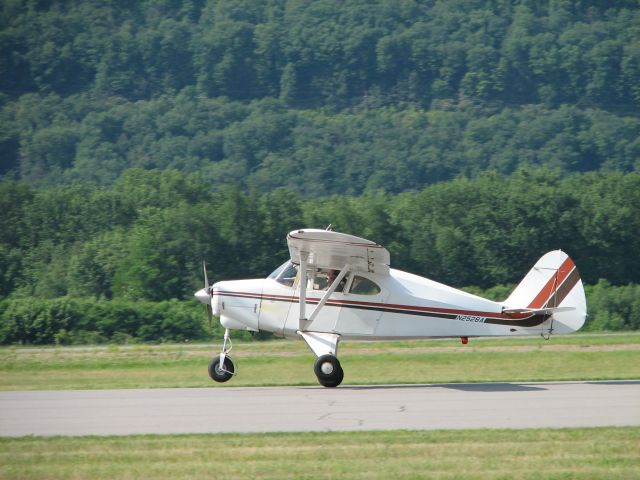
(145, 236)
(98, 88)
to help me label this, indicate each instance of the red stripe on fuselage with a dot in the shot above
(373, 305)
(554, 282)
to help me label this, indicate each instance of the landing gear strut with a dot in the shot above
(221, 367)
(328, 370)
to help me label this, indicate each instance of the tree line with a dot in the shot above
(120, 264)
(144, 237)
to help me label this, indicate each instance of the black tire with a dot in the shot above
(218, 374)
(328, 370)
(334, 382)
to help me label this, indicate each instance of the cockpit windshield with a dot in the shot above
(285, 273)
(278, 270)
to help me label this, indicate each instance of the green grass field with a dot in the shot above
(574, 357)
(598, 453)
(591, 453)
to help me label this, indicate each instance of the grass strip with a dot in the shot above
(592, 453)
(592, 357)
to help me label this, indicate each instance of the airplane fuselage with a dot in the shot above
(406, 306)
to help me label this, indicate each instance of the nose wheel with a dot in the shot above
(328, 370)
(221, 371)
(222, 368)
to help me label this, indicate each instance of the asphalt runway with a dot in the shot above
(214, 410)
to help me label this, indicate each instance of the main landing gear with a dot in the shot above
(328, 370)
(221, 368)
(327, 367)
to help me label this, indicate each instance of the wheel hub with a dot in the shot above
(327, 368)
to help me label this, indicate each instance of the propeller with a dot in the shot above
(208, 288)
(204, 295)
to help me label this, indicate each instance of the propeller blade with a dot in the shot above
(207, 289)
(210, 314)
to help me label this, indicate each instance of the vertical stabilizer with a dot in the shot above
(554, 281)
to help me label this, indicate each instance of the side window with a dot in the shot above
(363, 286)
(324, 278)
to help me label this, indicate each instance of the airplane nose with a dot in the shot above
(203, 296)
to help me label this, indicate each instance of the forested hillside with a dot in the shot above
(468, 136)
(346, 96)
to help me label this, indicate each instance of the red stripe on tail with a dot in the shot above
(553, 283)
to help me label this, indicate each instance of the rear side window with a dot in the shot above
(363, 286)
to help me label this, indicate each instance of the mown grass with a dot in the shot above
(592, 453)
(593, 357)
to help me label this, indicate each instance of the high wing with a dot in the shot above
(336, 251)
(327, 249)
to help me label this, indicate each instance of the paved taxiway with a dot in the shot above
(183, 410)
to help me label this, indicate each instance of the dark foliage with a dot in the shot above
(346, 96)
(146, 236)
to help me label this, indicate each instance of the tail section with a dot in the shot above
(553, 287)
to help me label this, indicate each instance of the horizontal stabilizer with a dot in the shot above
(538, 311)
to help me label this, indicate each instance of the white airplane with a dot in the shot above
(338, 286)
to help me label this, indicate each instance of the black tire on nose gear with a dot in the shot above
(221, 375)
(328, 370)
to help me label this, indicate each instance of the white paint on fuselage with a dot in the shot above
(238, 303)
(412, 290)
(268, 305)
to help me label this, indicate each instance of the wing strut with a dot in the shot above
(328, 293)
(304, 256)
(303, 321)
